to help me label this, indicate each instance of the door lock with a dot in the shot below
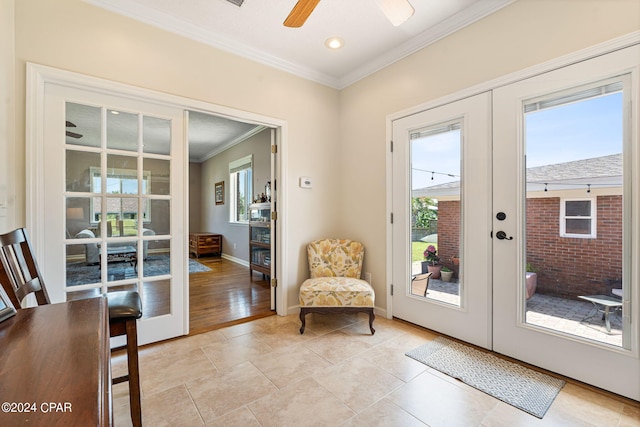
(501, 235)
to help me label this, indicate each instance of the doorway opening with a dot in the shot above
(230, 169)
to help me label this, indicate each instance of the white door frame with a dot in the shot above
(39, 75)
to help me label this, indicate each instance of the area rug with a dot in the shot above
(519, 386)
(79, 273)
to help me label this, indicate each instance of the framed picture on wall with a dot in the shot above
(6, 307)
(219, 192)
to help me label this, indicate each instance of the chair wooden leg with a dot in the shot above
(303, 313)
(372, 316)
(134, 373)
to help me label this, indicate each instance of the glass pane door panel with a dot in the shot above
(157, 177)
(78, 166)
(82, 126)
(122, 174)
(156, 135)
(82, 264)
(77, 216)
(122, 130)
(159, 216)
(435, 212)
(158, 298)
(113, 234)
(574, 212)
(158, 263)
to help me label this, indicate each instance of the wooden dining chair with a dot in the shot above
(21, 277)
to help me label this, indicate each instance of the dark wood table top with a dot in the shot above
(55, 365)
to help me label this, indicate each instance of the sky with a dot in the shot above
(581, 130)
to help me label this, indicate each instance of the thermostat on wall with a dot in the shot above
(305, 182)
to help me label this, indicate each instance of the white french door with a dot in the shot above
(565, 174)
(546, 188)
(441, 159)
(110, 203)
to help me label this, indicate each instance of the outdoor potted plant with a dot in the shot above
(446, 274)
(531, 280)
(431, 257)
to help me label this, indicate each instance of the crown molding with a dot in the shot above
(468, 16)
(256, 130)
(464, 18)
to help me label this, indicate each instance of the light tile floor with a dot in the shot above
(264, 373)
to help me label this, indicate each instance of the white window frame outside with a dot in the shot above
(592, 217)
(235, 167)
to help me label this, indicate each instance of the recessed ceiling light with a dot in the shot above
(334, 43)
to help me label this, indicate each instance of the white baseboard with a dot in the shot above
(236, 260)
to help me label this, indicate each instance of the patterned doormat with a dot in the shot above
(519, 386)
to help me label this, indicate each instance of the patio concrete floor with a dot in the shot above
(546, 311)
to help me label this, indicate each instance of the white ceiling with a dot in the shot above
(255, 31)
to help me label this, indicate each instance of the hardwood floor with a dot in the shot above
(226, 295)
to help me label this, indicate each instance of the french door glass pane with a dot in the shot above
(82, 125)
(156, 135)
(574, 212)
(118, 205)
(436, 212)
(122, 130)
(157, 177)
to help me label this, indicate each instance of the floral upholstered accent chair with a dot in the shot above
(335, 286)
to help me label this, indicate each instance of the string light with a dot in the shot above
(546, 184)
(436, 173)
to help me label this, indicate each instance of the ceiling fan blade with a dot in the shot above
(69, 124)
(73, 134)
(300, 13)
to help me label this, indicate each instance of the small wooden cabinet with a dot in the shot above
(260, 238)
(205, 244)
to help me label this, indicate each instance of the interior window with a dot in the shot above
(240, 192)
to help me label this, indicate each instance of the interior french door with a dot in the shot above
(111, 203)
(522, 206)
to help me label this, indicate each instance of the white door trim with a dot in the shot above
(40, 75)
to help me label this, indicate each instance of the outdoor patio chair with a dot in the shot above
(335, 285)
(21, 277)
(418, 282)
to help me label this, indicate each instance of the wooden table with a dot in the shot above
(55, 365)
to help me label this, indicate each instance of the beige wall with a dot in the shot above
(337, 138)
(523, 34)
(7, 116)
(75, 36)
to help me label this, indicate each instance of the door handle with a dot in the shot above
(501, 235)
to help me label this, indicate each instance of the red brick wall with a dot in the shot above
(449, 233)
(567, 267)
